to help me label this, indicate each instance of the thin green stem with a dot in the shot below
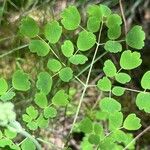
(85, 87)
(137, 137)
(13, 50)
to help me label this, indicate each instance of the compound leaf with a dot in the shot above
(44, 82)
(86, 37)
(20, 81)
(3, 86)
(122, 77)
(86, 125)
(135, 37)
(109, 105)
(53, 31)
(40, 47)
(130, 60)
(113, 46)
(145, 81)
(132, 122)
(60, 98)
(54, 65)
(66, 74)
(142, 101)
(118, 91)
(104, 84)
(78, 59)
(50, 112)
(109, 68)
(71, 18)
(29, 27)
(32, 112)
(41, 100)
(67, 48)
(27, 144)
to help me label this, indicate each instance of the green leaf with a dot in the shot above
(71, 18)
(26, 118)
(135, 37)
(3, 86)
(60, 98)
(113, 46)
(32, 112)
(118, 91)
(42, 123)
(130, 60)
(93, 24)
(145, 81)
(20, 81)
(105, 10)
(114, 32)
(104, 84)
(29, 27)
(67, 48)
(115, 121)
(40, 47)
(66, 74)
(109, 68)
(41, 100)
(98, 129)
(53, 31)
(32, 125)
(142, 101)
(54, 65)
(10, 134)
(109, 105)
(78, 59)
(122, 77)
(113, 20)
(44, 82)
(132, 122)
(86, 37)
(100, 115)
(94, 11)
(94, 139)
(7, 96)
(86, 125)
(50, 112)
(27, 144)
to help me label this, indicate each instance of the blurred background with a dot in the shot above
(14, 54)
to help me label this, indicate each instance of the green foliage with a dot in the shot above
(29, 27)
(44, 82)
(85, 37)
(3, 86)
(60, 98)
(78, 59)
(126, 60)
(53, 31)
(70, 18)
(104, 84)
(132, 122)
(20, 81)
(109, 68)
(28, 144)
(41, 100)
(135, 37)
(65, 56)
(145, 83)
(142, 101)
(113, 46)
(54, 65)
(122, 77)
(66, 74)
(109, 105)
(40, 47)
(67, 48)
